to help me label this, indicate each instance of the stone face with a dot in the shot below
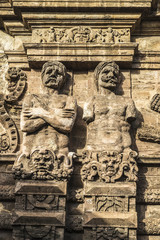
(79, 120)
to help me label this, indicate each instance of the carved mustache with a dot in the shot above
(53, 80)
(109, 79)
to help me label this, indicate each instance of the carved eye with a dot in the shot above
(59, 73)
(49, 71)
(94, 167)
(105, 72)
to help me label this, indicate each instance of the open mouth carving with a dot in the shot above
(53, 80)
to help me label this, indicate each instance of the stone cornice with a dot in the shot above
(83, 4)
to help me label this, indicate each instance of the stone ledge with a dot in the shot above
(38, 218)
(107, 219)
(110, 189)
(42, 187)
(42, 52)
(83, 4)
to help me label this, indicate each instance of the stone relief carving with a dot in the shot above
(110, 167)
(7, 192)
(81, 34)
(110, 204)
(37, 232)
(75, 223)
(110, 233)
(148, 195)
(147, 132)
(76, 195)
(16, 84)
(109, 118)
(149, 226)
(48, 116)
(16, 79)
(42, 201)
(155, 103)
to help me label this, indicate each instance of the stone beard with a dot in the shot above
(46, 120)
(108, 115)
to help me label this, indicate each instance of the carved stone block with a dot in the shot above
(38, 205)
(43, 232)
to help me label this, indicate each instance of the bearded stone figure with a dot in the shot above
(46, 120)
(109, 118)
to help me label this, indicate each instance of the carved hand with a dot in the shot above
(34, 112)
(64, 113)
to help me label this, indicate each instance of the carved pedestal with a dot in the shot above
(110, 210)
(39, 210)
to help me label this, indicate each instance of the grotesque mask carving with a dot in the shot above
(110, 163)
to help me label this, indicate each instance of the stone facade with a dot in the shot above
(79, 120)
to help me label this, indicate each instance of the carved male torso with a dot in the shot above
(49, 135)
(112, 116)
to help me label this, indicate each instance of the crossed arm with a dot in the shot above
(33, 118)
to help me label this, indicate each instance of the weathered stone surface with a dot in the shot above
(95, 193)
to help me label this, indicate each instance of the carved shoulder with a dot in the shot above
(88, 110)
(130, 110)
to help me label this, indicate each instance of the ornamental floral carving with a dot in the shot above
(110, 167)
(81, 34)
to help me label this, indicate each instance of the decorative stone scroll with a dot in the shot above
(16, 85)
(46, 120)
(110, 167)
(81, 35)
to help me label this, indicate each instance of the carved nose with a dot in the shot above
(54, 73)
(110, 164)
(110, 74)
